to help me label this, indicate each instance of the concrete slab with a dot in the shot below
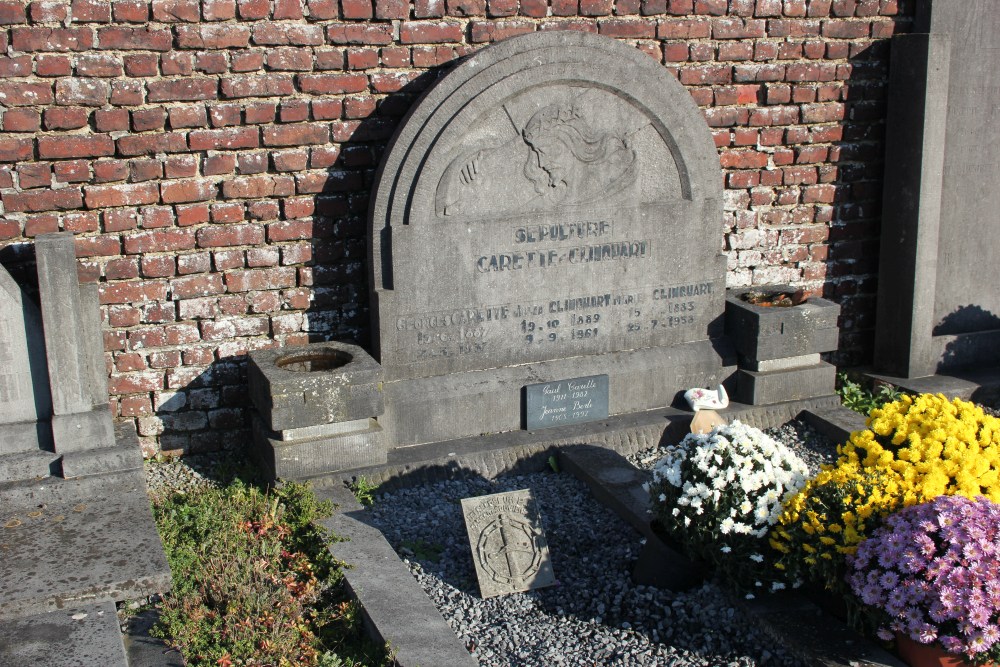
(146, 651)
(981, 385)
(84, 636)
(56, 553)
(395, 607)
(836, 423)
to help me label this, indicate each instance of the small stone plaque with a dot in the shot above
(508, 544)
(565, 402)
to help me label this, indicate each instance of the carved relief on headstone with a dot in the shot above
(508, 545)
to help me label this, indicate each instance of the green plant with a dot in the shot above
(254, 583)
(424, 550)
(364, 490)
(856, 396)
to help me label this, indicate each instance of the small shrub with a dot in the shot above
(254, 583)
(719, 493)
(859, 398)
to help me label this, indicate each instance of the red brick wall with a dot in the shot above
(215, 159)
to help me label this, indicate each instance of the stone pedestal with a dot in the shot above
(316, 408)
(779, 348)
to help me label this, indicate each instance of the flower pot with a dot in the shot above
(916, 654)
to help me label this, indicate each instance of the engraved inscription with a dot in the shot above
(556, 159)
(508, 545)
(566, 402)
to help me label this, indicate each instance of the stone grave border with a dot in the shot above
(397, 611)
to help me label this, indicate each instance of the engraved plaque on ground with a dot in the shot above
(566, 402)
(508, 545)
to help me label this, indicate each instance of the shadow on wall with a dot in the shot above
(966, 352)
(848, 193)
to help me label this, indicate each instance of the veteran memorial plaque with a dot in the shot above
(553, 205)
(508, 545)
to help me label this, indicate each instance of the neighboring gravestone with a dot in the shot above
(508, 544)
(551, 210)
(938, 302)
(25, 405)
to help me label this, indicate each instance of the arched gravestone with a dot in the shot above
(551, 209)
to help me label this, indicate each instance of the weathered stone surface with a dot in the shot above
(508, 543)
(938, 306)
(556, 197)
(58, 551)
(79, 636)
(768, 365)
(26, 465)
(765, 333)
(788, 385)
(308, 457)
(24, 390)
(314, 384)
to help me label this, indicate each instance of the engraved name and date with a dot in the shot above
(572, 319)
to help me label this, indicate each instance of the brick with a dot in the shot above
(127, 92)
(73, 171)
(362, 59)
(25, 93)
(188, 116)
(252, 163)
(218, 10)
(289, 59)
(296, 135)
(180, 166)
(218, 165)
(205, 284)
(293, 111)
(392, 9)
(486, 31)
(254, 9)
(15, 149)
(120, 220)
(224, 139)
(43, 200)
(263, 85)
(223, 115)
(134, 39)
(95, 145)
(145, 170)
(191, 214)
(52, 39)
(161, 240)
(256, 187)
(91, 11)
(624, 28)
(267, 33)
(131, 11)
(15, 67)
(191, 190)
(414, 32)
(229, 212)
(183, 90)
(110, 170)
(99, 66)
(684, 29)
(261, 279)
(230, 235)
(391, 82)
(150, 144)
(68, 118)
(213, 36)
(34, 175)
(109, 196)
(351, 33)
(176, 11)
(86, 92)
(356, 9)
(177, 63)
(333, 84)
(846, 29)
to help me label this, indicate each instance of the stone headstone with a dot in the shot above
(551, 209)
(938, 303)
(74, 347)
(25, 404)
(508, 544)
